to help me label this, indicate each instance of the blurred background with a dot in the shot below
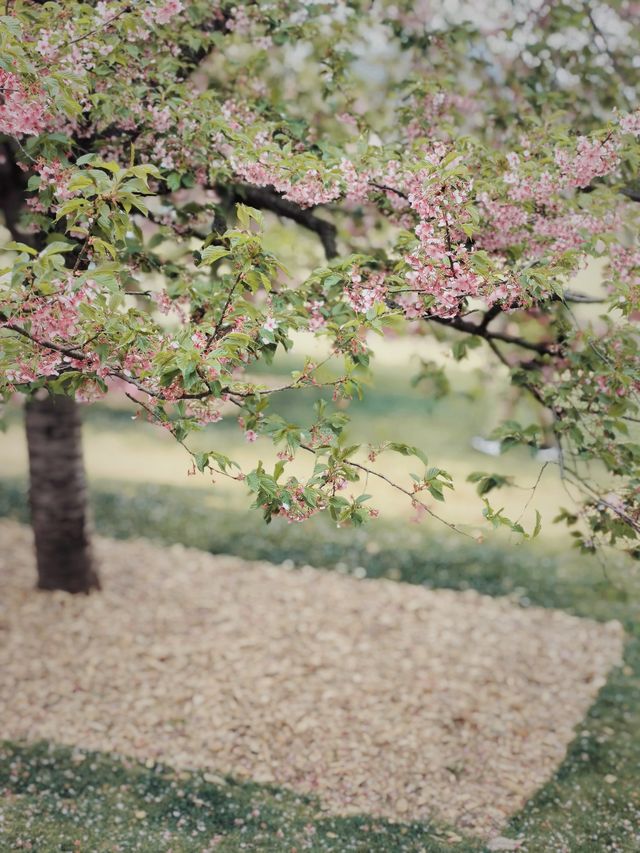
(417, 393)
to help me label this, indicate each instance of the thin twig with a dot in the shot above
(533, 491)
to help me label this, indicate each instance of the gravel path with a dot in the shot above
(376, 696)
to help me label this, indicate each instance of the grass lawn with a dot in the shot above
(58, 799)
(64, 800)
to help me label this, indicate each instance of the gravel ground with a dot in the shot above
(376, 696)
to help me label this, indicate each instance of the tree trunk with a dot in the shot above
(57, 494)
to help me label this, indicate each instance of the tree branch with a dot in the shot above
(582, 298)
(268, 199)
(632, 193)
(481, 330)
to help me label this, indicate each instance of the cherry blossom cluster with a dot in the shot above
(508, 223)
(365, 290)
(624, 264)
(630, 123)
(30, 369)
(317, 320)
(297, 508)
(592, 159)
(239, 21)
(22, 107)
(448, 289)
(161, 11)
(357, 182)
(55, 317)
(439, 267)
(54, 176)
(308, 191)
(556, 235)
(540, 188)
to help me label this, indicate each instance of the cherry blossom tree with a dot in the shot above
(489, 162)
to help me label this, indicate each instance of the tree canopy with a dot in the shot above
(454, 169)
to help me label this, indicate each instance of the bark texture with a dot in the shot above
(57, 495)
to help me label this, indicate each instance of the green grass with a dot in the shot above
(71, 800)
(57, 798)
(412, 553)
(117, 447)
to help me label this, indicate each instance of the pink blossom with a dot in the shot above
(161, 118)
(239, 21)
(22, 111)
(309, 191)
(163, 301)
(54, 175)
(44, 46)
(593, 159)
(357, 183)
(361, 294)
(316, 320)
(631, 123)
(162, 13)
(199, 340)
(270, 325)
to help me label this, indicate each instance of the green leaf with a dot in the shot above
(15, 246)
(488, 482)
(538, 525)
(245, 214)
(57, 248)
(79, 182)
(408, 450)
(212, 254)
(173, 181)
(86, 158)
(201, 460)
